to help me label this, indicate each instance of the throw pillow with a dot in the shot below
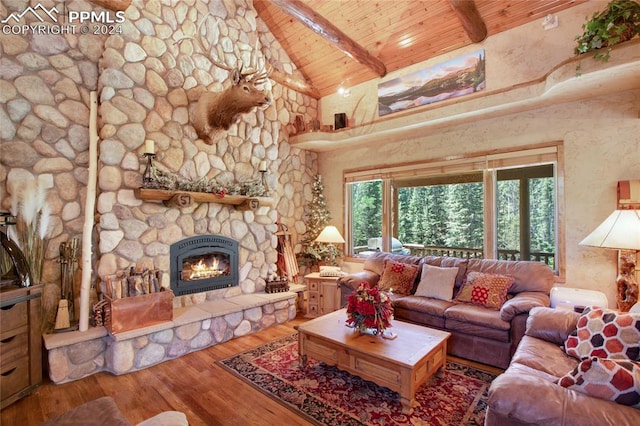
(488, 290)
(437, 282)
(612, 379)
(398, 277)
(606, 334)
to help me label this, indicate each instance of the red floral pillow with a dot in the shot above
(488, 290)
(606, 334)
(398, 277)
(612, 379)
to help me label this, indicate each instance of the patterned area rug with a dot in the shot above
(327, 396)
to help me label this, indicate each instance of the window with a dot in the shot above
(526, 214)
(446, 212)
(500, 206)
(366, 203)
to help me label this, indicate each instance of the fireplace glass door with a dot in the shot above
(203, 263)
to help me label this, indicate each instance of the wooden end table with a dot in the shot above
(402, 364)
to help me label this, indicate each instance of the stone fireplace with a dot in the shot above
(203, 263)
(147, 85)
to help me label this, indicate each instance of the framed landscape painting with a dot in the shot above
(457, 77)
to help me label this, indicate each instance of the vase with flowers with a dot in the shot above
(370, 310)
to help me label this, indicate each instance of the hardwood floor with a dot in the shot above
(193, 384)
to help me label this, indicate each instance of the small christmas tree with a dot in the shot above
(316, 218)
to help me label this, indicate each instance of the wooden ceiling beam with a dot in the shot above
(470, 18)
(292, 82)
(318, 24)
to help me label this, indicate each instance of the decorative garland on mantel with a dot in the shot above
(168, 181)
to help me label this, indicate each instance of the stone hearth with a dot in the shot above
(75, 355)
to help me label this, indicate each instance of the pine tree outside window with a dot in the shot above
(497, 206)
(367, 198)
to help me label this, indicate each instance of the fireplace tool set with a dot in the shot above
(69, 254)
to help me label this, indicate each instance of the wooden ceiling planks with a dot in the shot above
(400, 33)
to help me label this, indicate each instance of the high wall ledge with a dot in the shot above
(562, 84)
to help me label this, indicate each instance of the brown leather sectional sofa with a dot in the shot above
(478, 333)
(526, 394)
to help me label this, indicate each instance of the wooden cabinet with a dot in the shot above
(323, 294)
(20, 342)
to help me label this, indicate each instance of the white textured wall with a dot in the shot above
(523, 54)
(601, 138)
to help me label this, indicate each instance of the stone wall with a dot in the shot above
(75, 355)
(147, 85)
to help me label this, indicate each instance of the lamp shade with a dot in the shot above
(330, 234)
(621, 230)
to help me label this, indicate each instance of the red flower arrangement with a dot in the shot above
(369, 308)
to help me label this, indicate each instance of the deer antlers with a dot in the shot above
(259, 76)
(291, 81)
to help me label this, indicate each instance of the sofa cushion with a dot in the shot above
(552, 325)
(398, 277)
(543, 356)
(523, 303)
(375, 262)
(611, 379)
(436, 282)
(606, 334)
(352, 281)
(449, 262)
(423, 305)
(476, 315)
(488, 290)
(529, 276)
(523, 396)
(481, 331)
(421, 318)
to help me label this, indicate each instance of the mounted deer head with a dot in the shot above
(221, 110)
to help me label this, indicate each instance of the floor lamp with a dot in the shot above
(621, 231)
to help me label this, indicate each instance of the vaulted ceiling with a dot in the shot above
(340, 43)
(345, 42)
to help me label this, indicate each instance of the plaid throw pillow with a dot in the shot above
(398, 277)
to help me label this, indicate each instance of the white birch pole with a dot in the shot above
(85, 286)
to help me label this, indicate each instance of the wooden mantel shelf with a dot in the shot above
(177, 198)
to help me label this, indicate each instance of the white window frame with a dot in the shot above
(488, 163)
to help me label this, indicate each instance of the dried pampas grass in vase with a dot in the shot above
(31, 231)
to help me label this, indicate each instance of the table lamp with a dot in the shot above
(331, 236)
(620, 231)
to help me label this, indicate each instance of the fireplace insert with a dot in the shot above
(203, 263)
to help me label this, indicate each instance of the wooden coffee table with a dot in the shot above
(402, 364)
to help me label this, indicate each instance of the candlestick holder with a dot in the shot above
(147, 178)
(263, 180)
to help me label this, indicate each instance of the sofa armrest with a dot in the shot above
(352, 281)
(525, 396)
(552, 325)
(522, 303)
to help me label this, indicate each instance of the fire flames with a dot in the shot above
(203, 270)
